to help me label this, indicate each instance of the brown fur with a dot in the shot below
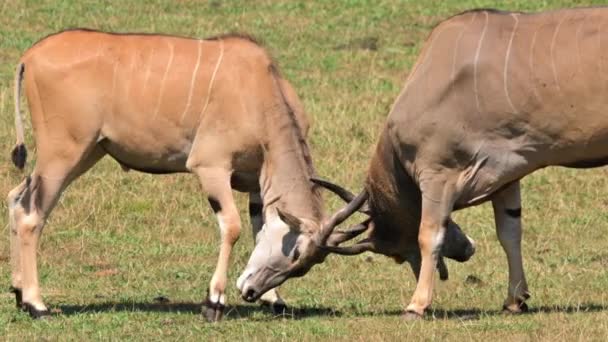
(217, 108)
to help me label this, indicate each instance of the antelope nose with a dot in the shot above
(240, 282)
(250, 295)
(470, 250)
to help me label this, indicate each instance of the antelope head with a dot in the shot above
(289, 246)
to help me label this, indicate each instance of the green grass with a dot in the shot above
(118, 240)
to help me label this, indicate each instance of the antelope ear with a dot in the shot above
(293, 222)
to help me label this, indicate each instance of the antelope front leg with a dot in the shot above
(430, 237)
(216, 182)
(507, 214)
(272, 297)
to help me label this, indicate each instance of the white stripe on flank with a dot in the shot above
(506, 70)
(113, 94)
(423, 61)
(217, 66)
(148, 71)
(457, 45)
(553, 67)
(578, 47)
(420, 63)
(192, 81)
(531, 62)
(475, 89)
(599, 50)
(97, 55)
(429, 56)
(162, 83)
(129, 79)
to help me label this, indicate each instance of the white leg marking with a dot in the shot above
(506, 70)
(508, 230)
(221, 222)
(164, 80)
(475, 89)
(553, 67)
(193, 80)
(531, 62)
(217, 298)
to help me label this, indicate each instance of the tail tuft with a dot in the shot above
(19, 156)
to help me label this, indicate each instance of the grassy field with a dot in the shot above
(117, 241)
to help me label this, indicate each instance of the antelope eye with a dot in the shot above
(296, 254)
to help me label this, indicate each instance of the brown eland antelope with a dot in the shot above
(217, 108)
(493, 97)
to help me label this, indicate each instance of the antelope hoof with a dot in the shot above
(214, 311)
(518, 307)
(515, 308)
(18, 296)
(278, 308)
(35, 313)
(410, 315)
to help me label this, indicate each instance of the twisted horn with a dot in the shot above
(340, 216)
(343, 193)
(364, 245)
(338, 237)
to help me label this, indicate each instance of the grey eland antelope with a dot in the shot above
(493, 97)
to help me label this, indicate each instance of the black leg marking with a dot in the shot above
(34, 313)
(19, 156)
(213, 310)
(515, 213)
(277, 308)
(255, 209)
(26, 197)
(215, 205)
(18, 296)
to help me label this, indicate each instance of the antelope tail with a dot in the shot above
(19, 154)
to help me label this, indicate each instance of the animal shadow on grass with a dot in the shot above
(237, 311)
(240, 311)
(475, 314)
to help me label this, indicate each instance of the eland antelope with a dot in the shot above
(492, 97)
(217, 108)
